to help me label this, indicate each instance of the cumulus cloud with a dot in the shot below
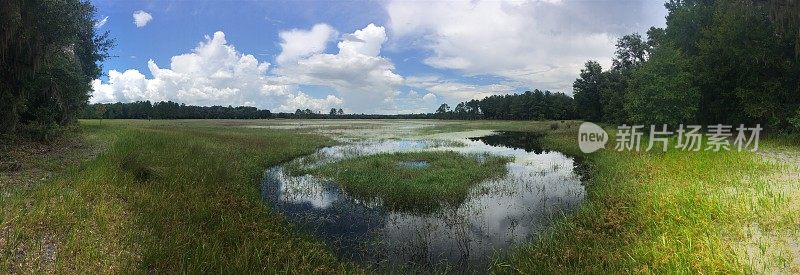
(538, 44)
(365, 80)
(141, 18)
(303, 101)
(101, 22)
(214, 73)
(298, 43)
(429, 97)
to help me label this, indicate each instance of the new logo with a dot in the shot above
(591, 137)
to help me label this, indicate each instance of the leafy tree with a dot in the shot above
(443, 110)
(50, 53)
(631, 52)
(612, 92)
(661, 91)
(588, 97)
(746, 70)
(686, 20)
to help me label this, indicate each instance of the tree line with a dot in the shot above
(174, 110)
(171, 110)
(536, 105)
(50, 53)
(726, 62)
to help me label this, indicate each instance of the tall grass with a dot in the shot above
(163, 199)
(665, 212)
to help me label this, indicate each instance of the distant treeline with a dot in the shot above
(170, 110)
(174, 110)
(536, 105)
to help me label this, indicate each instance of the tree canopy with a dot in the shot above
(50, 53)
(727, 62)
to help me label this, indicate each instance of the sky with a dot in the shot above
(382, 57)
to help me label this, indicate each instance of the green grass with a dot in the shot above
(162, 199)
(673, 212)
(183, 196)
(447, 180)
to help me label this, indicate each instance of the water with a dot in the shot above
(414, 164)
(540, 186)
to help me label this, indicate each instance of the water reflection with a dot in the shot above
(530, 142)
(539, 186)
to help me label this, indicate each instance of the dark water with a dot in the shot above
(540, 186)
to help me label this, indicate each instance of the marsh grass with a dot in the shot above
(664, 212)
(446, 180)
(162, 199)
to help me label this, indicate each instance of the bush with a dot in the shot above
(40, 131)
(794, 122)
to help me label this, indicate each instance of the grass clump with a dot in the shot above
(446, 180)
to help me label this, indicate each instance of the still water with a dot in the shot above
(540, 186)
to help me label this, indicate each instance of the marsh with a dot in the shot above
(459, 198)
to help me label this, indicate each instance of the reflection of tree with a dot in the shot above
(530, 142)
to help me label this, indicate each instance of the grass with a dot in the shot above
(182, 196)
(673, 212)
(162, 198)
(446, 181)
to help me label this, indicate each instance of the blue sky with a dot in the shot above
(362, 56)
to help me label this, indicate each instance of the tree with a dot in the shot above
(631, 52)
(340, 112)
(588, 98)
(443, 109)
(785, 14)
(332, 112)
(747, 70)
(661, 91)
(686, 20)
(50, 53)
(612, 92)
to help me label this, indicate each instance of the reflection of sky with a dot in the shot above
(498, 213)
(302, 189)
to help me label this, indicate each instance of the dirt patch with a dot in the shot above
(26, 163)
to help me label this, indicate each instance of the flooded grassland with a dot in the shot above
(432, 202)
(356, 196)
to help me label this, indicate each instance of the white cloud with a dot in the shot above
(297, 43)
(214, 73)
(141, 18)
(101, 23)
(365, 80)
(303, 101)
(536, 44)
(429, 97)
(453, 92)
